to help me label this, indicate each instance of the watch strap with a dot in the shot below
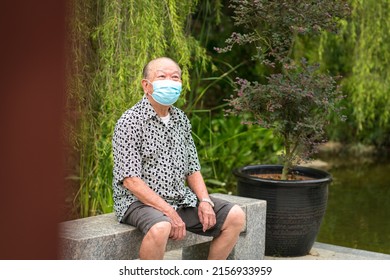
(208, 201)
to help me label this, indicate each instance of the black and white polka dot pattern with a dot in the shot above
(161, 155)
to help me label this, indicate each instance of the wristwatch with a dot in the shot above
(208, 201)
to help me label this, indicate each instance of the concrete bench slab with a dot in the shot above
(103, 237)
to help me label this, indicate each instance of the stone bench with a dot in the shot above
(103, 237)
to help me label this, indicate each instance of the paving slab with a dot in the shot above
(320, 251)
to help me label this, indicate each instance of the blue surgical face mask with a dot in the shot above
(166, 92)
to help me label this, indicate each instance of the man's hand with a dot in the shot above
(178, 230)
(206, 215)
(145, 194)
(205, 211)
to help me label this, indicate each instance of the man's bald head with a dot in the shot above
(157, 64)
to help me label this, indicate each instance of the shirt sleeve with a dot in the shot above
(126, 148)
(193, 160)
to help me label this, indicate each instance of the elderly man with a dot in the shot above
(154, 157)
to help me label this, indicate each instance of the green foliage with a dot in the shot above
(111, 41)
(369, 83)
(295, 101)
(360, 53)
(224, 144)
(272, 26)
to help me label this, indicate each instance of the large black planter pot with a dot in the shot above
(294, 208)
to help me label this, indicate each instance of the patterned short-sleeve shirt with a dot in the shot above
(162, 155)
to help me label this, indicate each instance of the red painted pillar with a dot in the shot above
(32, 94)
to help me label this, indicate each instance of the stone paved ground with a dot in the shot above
(320, 251)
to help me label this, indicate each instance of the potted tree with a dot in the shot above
(295, 100)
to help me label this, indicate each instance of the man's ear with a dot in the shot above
(145, 85)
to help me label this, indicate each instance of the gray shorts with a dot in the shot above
(144, 217)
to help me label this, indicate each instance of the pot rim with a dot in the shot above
(326, 177)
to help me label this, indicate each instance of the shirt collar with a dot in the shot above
(149, 112)
(147, 109)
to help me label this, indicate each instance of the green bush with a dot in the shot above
(223, 144)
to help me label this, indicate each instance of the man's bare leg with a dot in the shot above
(222, 245)
(155, 241)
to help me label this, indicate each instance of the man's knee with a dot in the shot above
(236, 218)
(159, 231)
(155, 241)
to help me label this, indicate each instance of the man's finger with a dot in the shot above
(207, 223)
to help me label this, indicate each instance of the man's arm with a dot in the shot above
(206, 212)
(147, 196)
